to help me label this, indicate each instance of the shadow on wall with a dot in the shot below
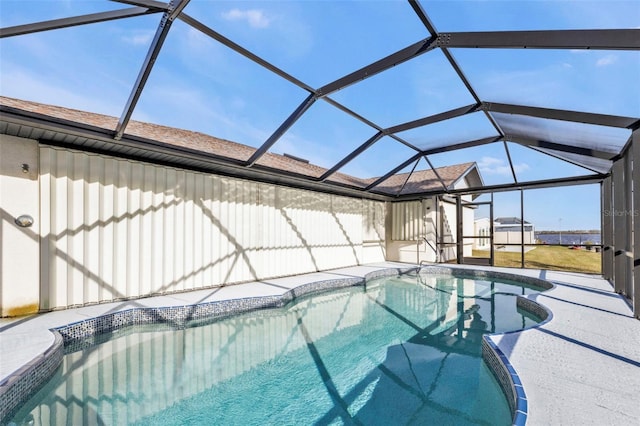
(116, 229)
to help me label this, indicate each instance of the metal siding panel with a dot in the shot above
(134, 223)
(93, 226)
(198, 235)
(189, 237)
(120, 243)
(59, 225)
(47, 242)
(158, 230)
(223, 229)
(126, 229)
(146, 229)
(269, 243)
(216, 253)
(239, 231)
(107, 229)
(170, 201)
(75, 253)
(179, 228)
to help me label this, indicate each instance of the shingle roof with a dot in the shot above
(419, 181)
(510, 221)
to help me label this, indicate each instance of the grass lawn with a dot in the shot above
(550, 257)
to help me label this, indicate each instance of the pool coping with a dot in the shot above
(21, 385)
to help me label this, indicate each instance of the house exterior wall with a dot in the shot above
(19, 246)
(407, 226)
(411, 221)
(448, 231)
(513, 237)
(111, 229)
(467, 225)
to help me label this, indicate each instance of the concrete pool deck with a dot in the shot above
(580, 367)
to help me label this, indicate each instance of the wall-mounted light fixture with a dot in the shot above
(25, 168)
(24, 221)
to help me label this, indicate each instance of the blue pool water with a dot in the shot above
(402, 350)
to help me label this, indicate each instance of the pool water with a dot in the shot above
(401, 350)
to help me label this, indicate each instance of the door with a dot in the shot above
(475, 239)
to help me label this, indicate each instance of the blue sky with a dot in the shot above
(199, 84)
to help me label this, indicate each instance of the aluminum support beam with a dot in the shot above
(459, 233)
(147, 66)
(422, 15)
(628, 218)
(433, 119)
(546, 183)
(619, 227)
(562, 147)
(394, 171)
(241, 50)
(352, 113)
(75, 21)
(435, 172)
(564, 115)
(606, 192)
(522, 228)
(627, 39)
(407, 180)
(383, 64)
(566, 160)
(513, 171)
(351, 156)
(305, 105)
(146, 3)
(462, 145)
(635, 289)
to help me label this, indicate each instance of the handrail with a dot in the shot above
(429, 243)
(432, 248)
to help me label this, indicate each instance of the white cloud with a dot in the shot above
(139, 38)
(254, 17)
(607, 60)
(497, 166)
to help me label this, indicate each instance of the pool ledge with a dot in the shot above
(505, 374)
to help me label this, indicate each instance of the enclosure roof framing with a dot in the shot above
(414, 135)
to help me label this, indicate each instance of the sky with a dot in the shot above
(199, 84)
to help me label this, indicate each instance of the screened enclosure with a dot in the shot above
(371, 100)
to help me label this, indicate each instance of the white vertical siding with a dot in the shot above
(115, 229)
(408, 221)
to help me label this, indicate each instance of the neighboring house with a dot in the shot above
(482, 228)
(506, 230)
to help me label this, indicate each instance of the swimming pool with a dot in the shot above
(397, 350)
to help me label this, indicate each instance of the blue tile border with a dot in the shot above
(21, 385)
(27, 380)
(507, 378)
(493, 356)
